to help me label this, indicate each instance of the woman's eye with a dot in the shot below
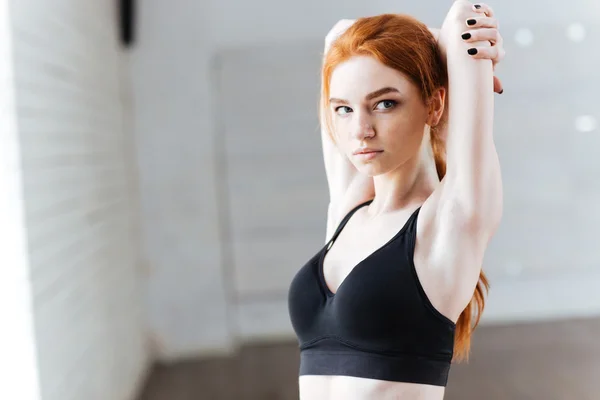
(386, 104)
(343, 110)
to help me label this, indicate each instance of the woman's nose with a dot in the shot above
(363, 129)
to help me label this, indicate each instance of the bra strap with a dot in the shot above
(345, 221)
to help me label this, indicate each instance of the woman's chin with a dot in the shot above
(370, 169)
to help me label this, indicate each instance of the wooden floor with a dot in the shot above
(546, 361)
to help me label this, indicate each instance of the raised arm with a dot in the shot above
(472, 188)
(347, 188)
(458, 220)
(473, 169)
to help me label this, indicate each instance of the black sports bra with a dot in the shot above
(379, 324)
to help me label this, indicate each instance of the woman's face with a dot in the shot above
(379, 117)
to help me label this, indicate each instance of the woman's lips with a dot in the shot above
(367, 154)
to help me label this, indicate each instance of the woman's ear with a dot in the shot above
(437, 104)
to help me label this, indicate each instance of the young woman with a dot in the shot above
(415, 196)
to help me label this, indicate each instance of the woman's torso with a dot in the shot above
(351, 388)
(353, 245)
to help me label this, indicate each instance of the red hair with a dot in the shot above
(405, 44)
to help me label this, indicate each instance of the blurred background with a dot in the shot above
(161, 181)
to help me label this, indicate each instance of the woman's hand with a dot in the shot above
(475, 25)
(338, 29)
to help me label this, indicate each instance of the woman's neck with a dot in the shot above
(410, 183)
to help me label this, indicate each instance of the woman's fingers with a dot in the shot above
(484, 29)
(484, 34)
(483, 8)
(482, 22)
(494, 53)
(489, 31)
(498, 88)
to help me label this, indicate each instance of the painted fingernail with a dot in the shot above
(477, 6)
(472, 51)
(466, 36)
(500, 92)
(471, 22)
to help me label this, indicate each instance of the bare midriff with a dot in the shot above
(314, 387)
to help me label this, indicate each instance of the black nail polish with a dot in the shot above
(500, 92)
(472, 51)
(477, 6)
(466, 36)
(471, 22)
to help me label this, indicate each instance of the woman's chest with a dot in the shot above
(351, 250)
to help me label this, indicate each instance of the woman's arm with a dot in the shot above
(347, 187)
(458, 220)
(472, 186)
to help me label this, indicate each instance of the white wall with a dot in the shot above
(18, 368)
(79, 204)
(229, 98)
(235, 23)
(186, 296)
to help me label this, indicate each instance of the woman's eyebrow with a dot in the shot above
(370, 96)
